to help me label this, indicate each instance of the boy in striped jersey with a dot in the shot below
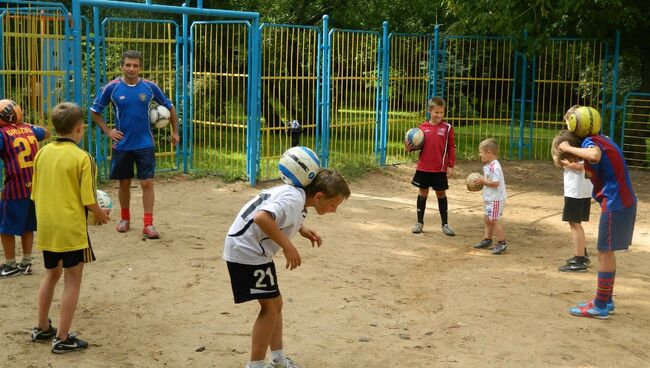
(18, 147)
(605, 167)
(63, 168)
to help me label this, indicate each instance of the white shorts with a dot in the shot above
(494, 209)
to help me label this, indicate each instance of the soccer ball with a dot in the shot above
(104, 202)
(159, 116)
(10, 113)
(583, 121)
(415, 137)
(298, 166)
(471, 183)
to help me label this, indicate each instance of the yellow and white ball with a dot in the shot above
(583, 121)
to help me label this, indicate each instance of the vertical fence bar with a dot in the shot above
(385, 76)
(325, 105)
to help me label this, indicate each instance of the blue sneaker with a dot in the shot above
(589, 304)
(590, 312)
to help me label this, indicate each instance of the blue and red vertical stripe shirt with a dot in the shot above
(611, 179)
(18, 147)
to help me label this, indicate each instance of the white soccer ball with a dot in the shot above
(103, 200)
(159, 116)
(298, 166)
(415, 137)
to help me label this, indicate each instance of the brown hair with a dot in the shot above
(330, 183)
(436, 101)
(65, 117)
(131, 54)
(564, 136)
(489, 145)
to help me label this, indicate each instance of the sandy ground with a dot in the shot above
(373, 295)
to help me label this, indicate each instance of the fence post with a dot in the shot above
(254, 92)
(613, 107)
(185, 89)
(385, 78)
(434, 71)
(325, 95)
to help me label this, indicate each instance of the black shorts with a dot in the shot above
(576, 210)
(251, 282)
(426, 180)
(70, 259)
(122, 164)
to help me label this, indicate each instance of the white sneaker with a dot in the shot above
(288, 363)
(417, 228)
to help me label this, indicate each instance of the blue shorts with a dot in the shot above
(122, 164)
(17, 216)
(615, 229)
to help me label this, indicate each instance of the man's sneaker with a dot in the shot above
(485, 243)
(573, 267)
(448, 230)
(590, 304)
(8, 270)
(589, 311)
(123, 226)
(500, 248)
(417, 228)
(25, 269)
(150, 232)
(42, 335)
(288, 363)
(574, 259)
(72, 343)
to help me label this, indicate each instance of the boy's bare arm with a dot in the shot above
(591, 154)
(101, 214)
(267, 224)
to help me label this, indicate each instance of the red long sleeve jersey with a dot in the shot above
(439, 150)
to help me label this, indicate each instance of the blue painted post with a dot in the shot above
(256, 77)
(433, 74)
(614, 108)
(325, 121)
(98, 42)
(522, 101)
(385, 76)
(318, 93)
(184, 94)
(76, 36)
(512, 104)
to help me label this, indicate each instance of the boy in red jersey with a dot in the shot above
(18, 147)
(605, 167)
(435, 165)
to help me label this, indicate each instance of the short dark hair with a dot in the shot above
(436, 101)
(66, 116)
(131, 54)
(330, 183)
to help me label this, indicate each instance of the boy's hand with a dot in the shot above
(450, 172)
(115, 135)
(564, 146)
(105, 217)
(408, 146)
(311, 235)
(292, 256)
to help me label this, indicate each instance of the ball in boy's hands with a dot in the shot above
(298, 166)
(583, 121)
(104, 202)
(415, 137)
(473, 185)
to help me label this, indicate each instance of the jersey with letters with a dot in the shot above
(246, 243)
(18, 147)
(131, 108)
(439, 150)
(611, 179)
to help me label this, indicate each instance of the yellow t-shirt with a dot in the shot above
(64, 182)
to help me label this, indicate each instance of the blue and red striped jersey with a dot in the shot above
(611, 179)
(18, 147)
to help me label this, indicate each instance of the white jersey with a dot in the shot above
(493, 172)
(246, 243)
(576, 185)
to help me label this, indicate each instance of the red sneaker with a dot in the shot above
(123, 226)
(150, 232)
